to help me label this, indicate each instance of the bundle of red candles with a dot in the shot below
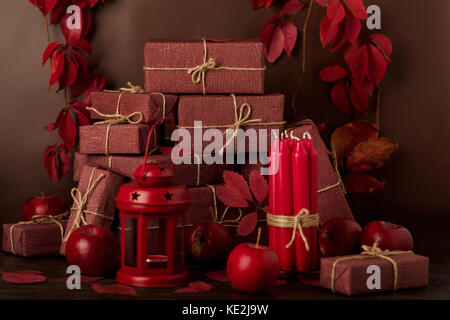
(293, 193)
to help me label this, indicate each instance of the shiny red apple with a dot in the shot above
(252, 268)
(209, 242)
(44, 204)
(339, 236)
(95, 249)
(388, 236)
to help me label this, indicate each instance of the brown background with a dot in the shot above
(415, 101)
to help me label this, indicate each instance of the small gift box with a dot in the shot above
(189, 175)
(79, 161)
(41, 236)
(374, 270)
(114, 139)
(236, 112)
(93, 200)
(131, 102)
(331, 197)
(202, 66)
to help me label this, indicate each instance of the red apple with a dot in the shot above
(339, 236)
(252, 269)
(209, 242)
(44, 204)
(94, 249)
(387, 235)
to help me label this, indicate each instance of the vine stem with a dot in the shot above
(47, 33)
(378, 108)
(303, 69)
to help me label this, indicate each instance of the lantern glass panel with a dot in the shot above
(179, 242)
(157, 243)
(130, 241)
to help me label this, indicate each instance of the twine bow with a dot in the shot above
(302, 220)
(371, 252)
(198, 72)
(79, 204)
(40, 219)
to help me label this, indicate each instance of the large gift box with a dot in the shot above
(331, 198)
(94, 200)
(232, 112)
(189, 175)
(79, 161)
(202, 66)
(148, 107)
(352, 275)
(40, 237)
(114, 139)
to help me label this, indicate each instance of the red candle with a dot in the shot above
(300, 191)
(280, 202)
(313, 187)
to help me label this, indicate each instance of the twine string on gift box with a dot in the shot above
(242, 115)
(198, 73)
(40, 219)
(215, 211)
(371, 252)
(301, 220)
(80, 201)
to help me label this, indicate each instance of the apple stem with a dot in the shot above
(258, 237)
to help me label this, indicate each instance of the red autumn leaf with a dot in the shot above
(280, 283)
(345, 138)
(336, 12)
(45, 6)
(261, 3)
(83, 45)
(114, 288)
(290, 35)
(273, 41)
(74, 34)
(328, 31)
(358, 62)
(57, 161)
(340, 38)
(332, 74)
(247, 224)
(49, 51)
(67, 129)
(97, 84)
(352, 27)
(383, 43)
(378, 66)
(357, 8)
(258, 185)
(56, 66)
(69, 74)
(87, 3)
(23, 277)
(219, 276)
(236, 183)
(292, 7)
(362, 183)
(81, 61)
(59, 11)
(340, 97)
(358, 96)
(370, 154)
(195, 287)
(309, 279)
(229, 198)
(323, 3)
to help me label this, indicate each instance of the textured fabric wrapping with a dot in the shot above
(331, 203)
(79, 161)
(214, 110)
(33, 239)
(189, 54)
(100, 200)
(150, 105)
(123, 139)
(189, 175)
(351, 275)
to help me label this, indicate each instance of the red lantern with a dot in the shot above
(152, 216)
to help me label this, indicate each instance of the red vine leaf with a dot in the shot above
(383, 44)
(290, 33)
(59, 11)
(359, 62)
(323, 3)
(23, 277)
(328, 31)
(333, 74)
(273, 41)
(336, 12)
(340, 98)
(56, 66)
(362, 183)
(292, 7)
(219, 276)
(236, 183)
(370, 154)
(352, 27)
(357, 8)
(57, 161)
(258, 185)
(45, 6)
(72, 35)
(49, 51)
(261, 3)
(247, 224)
(229, 198)
(69, 74)
(358, 97)
(114, 288)
(195, 287)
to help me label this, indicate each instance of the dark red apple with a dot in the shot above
(95, 249)
(209, 242)
(252, 268)
(387, 235)
(339, 236)
(44, 204)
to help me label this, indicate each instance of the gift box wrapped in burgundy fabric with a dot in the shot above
(34, 238)
(331, 198)
(148, 107)
(79, 161)
(352, 275)
(233, 112)
(189, 175)
(93, 200)
(202, 66)
(114, 139)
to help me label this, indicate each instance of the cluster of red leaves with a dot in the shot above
(237, 193)
(358, 148)
(24, 277)
(69, 68)
(278, 34)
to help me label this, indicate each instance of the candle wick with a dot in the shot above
(258, 237)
